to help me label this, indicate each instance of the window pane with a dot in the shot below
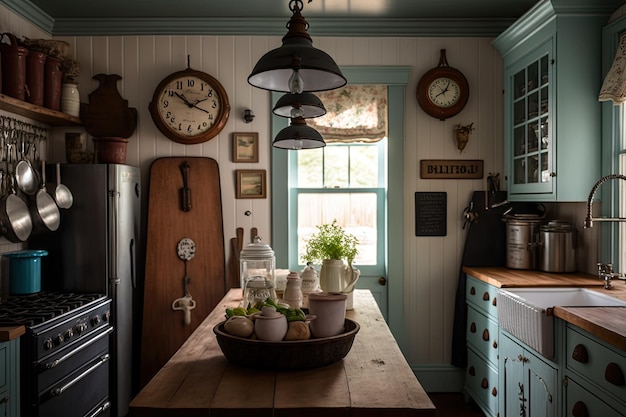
(310, 162)
(363, 166)
(336, 167)
(355, 212)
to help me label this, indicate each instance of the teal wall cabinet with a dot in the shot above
(552, 76)
(481, 374)
(9, 378)
(529, 384)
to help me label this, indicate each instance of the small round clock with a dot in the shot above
(442, 92)
(189, 106)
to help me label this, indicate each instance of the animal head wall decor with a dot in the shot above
(462, 135)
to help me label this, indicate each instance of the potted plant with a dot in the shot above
(335, 249)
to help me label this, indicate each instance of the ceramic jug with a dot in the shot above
(336, 276)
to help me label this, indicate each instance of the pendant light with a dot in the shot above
(305, 105)
(298, 135)
(296, 66)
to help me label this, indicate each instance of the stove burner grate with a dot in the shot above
(33, 309)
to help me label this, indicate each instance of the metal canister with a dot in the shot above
(557, 247)
(522, 240)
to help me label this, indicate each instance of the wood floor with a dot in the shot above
(454, 405)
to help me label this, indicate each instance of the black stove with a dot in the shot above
(64, 352)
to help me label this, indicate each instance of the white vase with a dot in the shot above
(70, 99)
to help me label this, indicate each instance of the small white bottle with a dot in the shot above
(293, 290)
(310, 283)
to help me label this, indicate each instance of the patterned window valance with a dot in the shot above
(355, 113)
(614, 85)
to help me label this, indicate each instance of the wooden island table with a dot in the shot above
(374, 379)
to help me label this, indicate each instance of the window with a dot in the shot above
(345, 181)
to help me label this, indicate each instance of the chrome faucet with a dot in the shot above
(589, 219)
(606, 273)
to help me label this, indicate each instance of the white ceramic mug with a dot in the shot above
(330, 309)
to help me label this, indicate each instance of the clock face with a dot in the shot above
(190, 107)
(444, 92)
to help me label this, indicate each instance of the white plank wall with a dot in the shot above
(431, 264)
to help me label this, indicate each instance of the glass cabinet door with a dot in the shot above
(531, 134)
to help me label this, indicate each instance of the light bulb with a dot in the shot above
(297, 112)
(297, 144)
(296, 83)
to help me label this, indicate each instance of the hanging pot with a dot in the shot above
(62, 194)
(45, 212)
(15, 220)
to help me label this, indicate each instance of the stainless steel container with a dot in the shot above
(522, 240)
(557, 247)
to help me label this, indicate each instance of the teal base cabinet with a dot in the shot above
(9, 378)
(594, 375)
(528, 382)
(481, 374)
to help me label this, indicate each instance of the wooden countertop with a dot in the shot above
(10, 333)
(373, 379)
(606, 323)
(505, 277)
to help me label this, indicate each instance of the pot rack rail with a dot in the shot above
(19, 139)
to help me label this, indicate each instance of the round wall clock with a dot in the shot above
(442, 92)
(190, 106)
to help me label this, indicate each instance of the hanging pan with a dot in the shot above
(15, 221)
(25, 175)
(45, 212)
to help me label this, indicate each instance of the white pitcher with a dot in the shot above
(336, 276)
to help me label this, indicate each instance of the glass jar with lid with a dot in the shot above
(257, 260)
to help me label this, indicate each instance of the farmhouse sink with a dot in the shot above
(526, 313)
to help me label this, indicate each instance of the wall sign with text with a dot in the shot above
(446, 169)
(430, 213)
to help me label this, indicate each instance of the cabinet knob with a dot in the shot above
(495, 344)
(494, 302)
(471, 371)
(494, 392)
(614, 375)
(473, 327)
(473, 291)
(486, 296)
(484, 383)
(580, 354)
(580, 409)
(486, 335)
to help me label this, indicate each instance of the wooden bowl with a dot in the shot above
(286, 355)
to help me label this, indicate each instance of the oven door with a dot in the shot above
(75, 382)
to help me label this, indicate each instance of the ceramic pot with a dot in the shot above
(270, 325)
(70, 99)
(330, 311)
(110, 150)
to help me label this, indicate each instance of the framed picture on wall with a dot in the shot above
(251, 183)
(245, 147)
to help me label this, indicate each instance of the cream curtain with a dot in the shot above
(355, 113)
(614, 85)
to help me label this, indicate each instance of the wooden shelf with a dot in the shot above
(42, 114)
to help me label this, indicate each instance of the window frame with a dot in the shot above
(396, 78)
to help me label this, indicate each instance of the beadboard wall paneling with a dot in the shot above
(431, 263)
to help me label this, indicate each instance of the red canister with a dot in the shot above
(35, 68)
(52, 83)
(13, 67)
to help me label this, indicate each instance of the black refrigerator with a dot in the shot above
(95, 250)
